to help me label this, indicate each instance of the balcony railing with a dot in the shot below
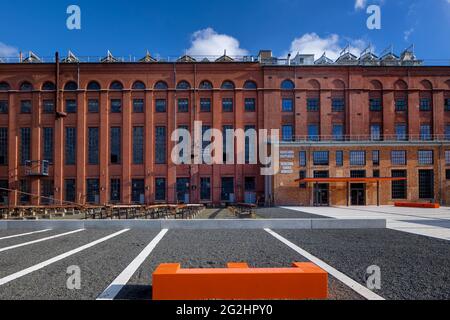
(423, 138)
(37, 168)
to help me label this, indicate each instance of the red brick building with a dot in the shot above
(85, 132)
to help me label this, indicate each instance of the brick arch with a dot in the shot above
(426, 84)
(94, 85)
(4, 86)
(338, 84)
(400, 85)
(313, 84)
(448, 83)
(375, 85)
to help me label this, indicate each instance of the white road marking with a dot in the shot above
(24, 234)
(39, 240)
(48, 262)
(114, 288)
(357, 287)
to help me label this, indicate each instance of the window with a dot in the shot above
(93, 191)
(338, 132)
(425, 132)
(250, 104)
(339, 158)
(447, 132)
(93, 106)
(138, 191)
(25, 145)
(375, 104)
(25, 191)
(399, 188)
(161, 85)
(116, 105)
(48, 86)
(206, 139)
(47, 134)
(3, 146)
(47, 190)
(250, 184)
(287, 85)
(4, 200)
(375, 132)
(357, 173)
(138, 85)
(376, 157)
(301, 176)
(321, 158)
(447, 157)
(205, 189)
(25, 106)
(425, 105)
(287, 105)
(313, 132)
(425, 157)
(357, 158)
(160, 145)
(3, 106)
(71, 106)
(71, 146)
(398, 158)
(205, 105)
(225, 129)
(114, 195)
(183, 105)
(4, 86)
(138, 105)
(160, 189)
(116, 85)
(302, 158)
(228, 85)
(93, 146)
(447, 104)
(337, 105)
(250, 85)
(183, 85)
(70, 190)
(312, 104)
(287, 132)
(115, 145)
(401, 105)
(71, 86)
(401, 132)
(376, 173)
(138, 145)
(26, 86)
(206, 85)
(426, 184)
(249, 144)
(227, 190)
(48, 106)
(93, 86)
(227, 105)
(160, 105)
(321, 174)
(447, 174)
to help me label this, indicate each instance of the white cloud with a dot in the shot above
(408, 33)
(361, 4)
(207, 42)
(311, 43)
(8, 51)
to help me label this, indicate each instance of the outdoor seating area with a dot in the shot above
(243, 210)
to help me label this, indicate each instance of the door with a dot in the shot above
(358, 194)
(183, 190)
(426, 184)
(322, 195)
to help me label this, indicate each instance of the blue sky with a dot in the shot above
(171, 28)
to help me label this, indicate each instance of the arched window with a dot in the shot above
(161, 85)
(250, 85)
(26, 86)
(287, 85)
(183, 85)
(93, 86)
(71, 86)
(227, 85)
(138, 85)
(48, 86)
(116, 85)
(206, 85)
(4, 86)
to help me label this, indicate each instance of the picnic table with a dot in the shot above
(244, 209)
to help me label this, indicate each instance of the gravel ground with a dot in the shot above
(413, 267)
(214, 249)
(281, 213)
(99, 266)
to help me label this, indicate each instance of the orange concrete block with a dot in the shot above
(239, 282)
(418, 205)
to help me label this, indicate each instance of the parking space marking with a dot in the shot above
(357, 287)
(40, 240)
(25, 234)
(48, 262)
(114, 288)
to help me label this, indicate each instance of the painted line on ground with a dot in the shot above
(357, 287)
(40, 240)
(114, 288)
(48, 262)
(25, 234)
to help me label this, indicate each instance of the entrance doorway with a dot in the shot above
(183, 190)
(358, 194)
(322, 195)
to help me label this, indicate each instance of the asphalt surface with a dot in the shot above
(282, 213)
(412, 267)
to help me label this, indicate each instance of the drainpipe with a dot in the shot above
(58, 100)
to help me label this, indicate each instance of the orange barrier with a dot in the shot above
(418, 205)
(239, 282)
